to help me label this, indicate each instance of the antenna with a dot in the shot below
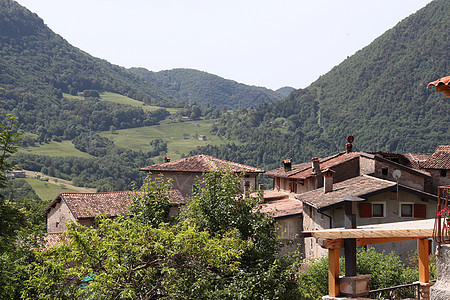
(397, 174)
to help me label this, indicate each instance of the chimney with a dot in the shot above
(287, 163)
(166, 159)
(348, 146)
(327, 180)
(315, 166)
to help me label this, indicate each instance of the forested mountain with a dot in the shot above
(286, 90)
(378, 95)
(193, 86)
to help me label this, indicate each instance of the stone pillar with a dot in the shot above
(441, 290)
(424, 290)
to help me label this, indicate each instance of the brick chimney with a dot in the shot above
(315, 166)
(287, 163)
(327, 180)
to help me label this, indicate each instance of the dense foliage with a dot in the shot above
(378, 95)
(193, 86)
(146, 256)
(112, 172)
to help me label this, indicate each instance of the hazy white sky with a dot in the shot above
(264, 43)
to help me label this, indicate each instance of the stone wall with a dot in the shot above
(441, 290)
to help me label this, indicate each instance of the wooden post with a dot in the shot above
(424, 273)
(333, 272)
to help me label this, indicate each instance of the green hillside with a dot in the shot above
(193, 86)
(378, 95)
(180, 137)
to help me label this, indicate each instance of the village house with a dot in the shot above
(186, 172)
(84, 207)
(393, 188)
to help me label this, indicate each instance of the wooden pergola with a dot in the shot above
(333, 240)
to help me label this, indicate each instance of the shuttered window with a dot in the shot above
(365, 210)
(420, 211)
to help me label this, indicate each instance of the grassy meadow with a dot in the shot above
(180, 137)
(64, 148)
(117, 98)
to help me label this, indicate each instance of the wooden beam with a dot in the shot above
(424, 273)
(333, 272)
(367, 233)
(339, 243)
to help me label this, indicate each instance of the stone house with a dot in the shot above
(322, 184)
(84, 207)
(186, 172)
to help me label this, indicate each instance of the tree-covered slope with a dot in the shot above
(378, 95)
(193, 86)
(34, 58)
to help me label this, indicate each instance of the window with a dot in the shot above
(406, 210)
(443, 173)
(378, 210)
(384, 171)
(410, 210)
(372, 210)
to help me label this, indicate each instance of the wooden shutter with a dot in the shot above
(365, 210)
(420, 211)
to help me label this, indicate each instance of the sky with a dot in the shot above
(256, 42)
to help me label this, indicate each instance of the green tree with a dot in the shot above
(219, 206)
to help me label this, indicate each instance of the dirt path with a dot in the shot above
(58, 181)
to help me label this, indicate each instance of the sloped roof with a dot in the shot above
(89, 205)
(361, 186)
(201, 164)
(52, 239)
(304, 170)
(282, 207)
(416, 160)
(441, 81)
(440, 159)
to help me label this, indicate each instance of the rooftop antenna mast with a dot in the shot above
(397, 174)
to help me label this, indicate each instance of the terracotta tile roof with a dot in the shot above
(416, 160)
(440, 159)
(304, 170)
(358, 186)
(441, 81)
(89, 205)
(327, 163)
(280, 172)
(201, 164)
(282, 207)
(53, 239)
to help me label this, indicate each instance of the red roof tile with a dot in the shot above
(89, 205)
(282, 207)
(441, 81)
(304, 170)
(357, 186)
(201, 164)
(416, 160)
(440, 159)
(53, 239)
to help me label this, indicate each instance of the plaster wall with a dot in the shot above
(313, 220)
(290, 229)
(408, 179)
(439, 180)
(366, 165)
(184, 181)
(58, 216)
